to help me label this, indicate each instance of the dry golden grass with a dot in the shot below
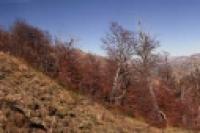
(32, 102)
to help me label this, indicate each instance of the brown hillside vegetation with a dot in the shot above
(32, 102)
(132, 78)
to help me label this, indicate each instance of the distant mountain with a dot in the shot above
(185, 64)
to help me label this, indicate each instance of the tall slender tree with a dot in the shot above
(120, 47)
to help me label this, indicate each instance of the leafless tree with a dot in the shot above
(190, 95)
(68, 63)
(120, 47)
(146, 59)
(166, 74)
(144, 63)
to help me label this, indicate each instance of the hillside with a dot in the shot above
(32, 102)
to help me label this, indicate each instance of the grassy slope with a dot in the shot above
(32, 102)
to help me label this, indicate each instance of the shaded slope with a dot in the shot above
(31, 102)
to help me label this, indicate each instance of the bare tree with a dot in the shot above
(120, 45)
(4, 40)
(166, 74)
(68, 63)
(190, 95)
(144, 63)
(146, 59)
(165, 68)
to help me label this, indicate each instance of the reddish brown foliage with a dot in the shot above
(94, 75)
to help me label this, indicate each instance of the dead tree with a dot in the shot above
(145, 62)
(190, 95)
(166, 74)
(68, 62)
(119, 45)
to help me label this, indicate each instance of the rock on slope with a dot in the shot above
(32, 102)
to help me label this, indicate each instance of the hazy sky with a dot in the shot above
(175, 23)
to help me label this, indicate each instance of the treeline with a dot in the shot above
(133, 76)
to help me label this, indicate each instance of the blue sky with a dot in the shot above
(175, 23)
